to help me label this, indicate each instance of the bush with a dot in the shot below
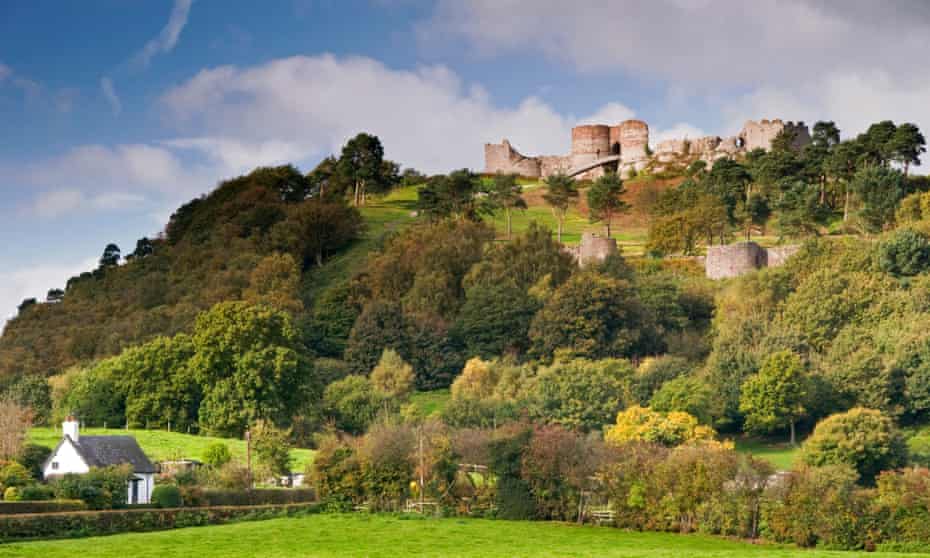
(14, 474)
(11, 494)
(95, 523)
(257, 497)
(863, 439)
(819, 506)
(217, 455)
(26, 506)
(36, 492)
(33, 456)
(905, 253)
(100, 488)
(354, 403)
(166, 496)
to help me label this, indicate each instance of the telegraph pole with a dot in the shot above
(248, 454)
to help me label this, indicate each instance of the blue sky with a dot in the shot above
(114, 112)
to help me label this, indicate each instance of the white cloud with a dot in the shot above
(680, 130)
(306, 107)
(720, 43)
(169, 35)
(611, 113)
(57, 203)
(109, 93)
(34, 282)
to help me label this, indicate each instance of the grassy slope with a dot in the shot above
(781, 455)
(160, 445)
(382, 536)
(430, 402)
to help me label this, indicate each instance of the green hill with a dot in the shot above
(161, 445)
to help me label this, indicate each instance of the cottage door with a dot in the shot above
(134, 491)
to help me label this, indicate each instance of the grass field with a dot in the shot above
(383, 536)
(781, 455)
(430, 402)
(160, 445)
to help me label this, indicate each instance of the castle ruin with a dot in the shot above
(733, 260)
(624, 148)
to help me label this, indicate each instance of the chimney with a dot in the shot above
(70, 428)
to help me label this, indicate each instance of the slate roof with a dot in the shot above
(104, 451)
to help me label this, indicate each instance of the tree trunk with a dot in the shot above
(356, 193)
(793, 437)
(907, 165)
(846, 205)
(509, 228)
(560, 230)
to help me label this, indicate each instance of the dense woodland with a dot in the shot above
(223, 322)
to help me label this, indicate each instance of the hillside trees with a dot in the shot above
(505, 193)
(775, 397)
(561, 192)
(453, 196)
(605, 199)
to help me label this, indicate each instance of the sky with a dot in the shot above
(114, 113)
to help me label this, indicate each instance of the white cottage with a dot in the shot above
(78, 454)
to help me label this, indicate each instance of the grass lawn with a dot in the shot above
(160, 445)
(779, 454)
(384, 536)
(430, 402)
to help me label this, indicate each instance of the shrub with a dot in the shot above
(581, 393)
(392, 376)
(101, 488)
(652, 373)
(477, 380)
(217, 455)
(256, 497)
(14, 474)
(36, 492)
(354, 403)
(819, 506)
(95, 523)
(33, 456)
(11, 494)
(639, 424)
(686, 394)
(905, 253)
(863, 439)
(272, 449)
(166, 496)
(30, 506)
(903, 497)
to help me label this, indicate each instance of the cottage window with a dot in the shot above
(54, 465)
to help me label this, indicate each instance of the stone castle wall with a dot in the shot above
(592, 249)
(733, 260)
(630, 140)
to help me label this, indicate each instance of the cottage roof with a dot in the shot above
(104, 451)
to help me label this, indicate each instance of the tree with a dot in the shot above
(248, 360)
(775, 396)
(272, 448)
(451, 196)
(686, 394)
(880, 190)
(906, 145)
(55, 295)
(317, 228)
(327, 181)
(522, 263)
(144, 247)
(216, 455)
(905, 253)
(110, 257)
(15, 421)
(362, 162)
(877, 143)
(580, 393)
(34, 393)
(353, 403)
(275, 282)
(561, 192)
(605, 199)
(864, 439)
(841, 164)
(392, 376)
(495, 320)
(641, 424)
(505, 193)
(477, 380)
(590, 316)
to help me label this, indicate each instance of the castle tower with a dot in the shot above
(634, 139)
(589, 143)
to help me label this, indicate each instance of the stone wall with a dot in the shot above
(630, 140)
(733, 260)
(593, 249)
(502, 157)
